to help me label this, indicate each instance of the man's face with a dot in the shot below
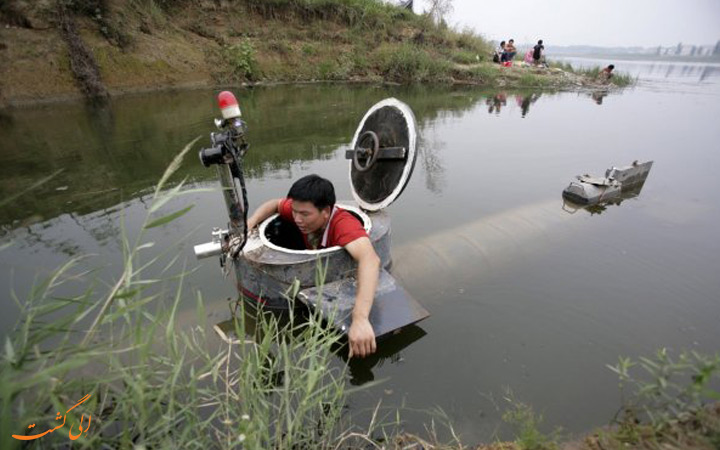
(308, 218)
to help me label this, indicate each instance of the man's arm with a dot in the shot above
(361, 334)
(265, 210)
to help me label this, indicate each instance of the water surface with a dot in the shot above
(523, 294)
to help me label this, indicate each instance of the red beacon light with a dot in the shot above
(228, 105)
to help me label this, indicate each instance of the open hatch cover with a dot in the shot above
(383, 153)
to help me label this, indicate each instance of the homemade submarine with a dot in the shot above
(271, 266)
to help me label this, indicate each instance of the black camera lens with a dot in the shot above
(210, 156)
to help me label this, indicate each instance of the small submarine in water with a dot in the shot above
(588, 190)
(271, 266)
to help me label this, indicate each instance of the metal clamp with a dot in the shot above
(213, 248)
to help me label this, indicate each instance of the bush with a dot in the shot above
(465, 57)
(527, 423)
(241, 59)
(468, 40)
(407, 63)
(308, 49)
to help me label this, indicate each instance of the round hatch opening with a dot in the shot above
(284, 236)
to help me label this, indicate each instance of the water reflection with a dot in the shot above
(107, 157)
(389, 350)
(648, 70)
(709, 71)
(432, 163)
(598, 96)
(699, 72)
(496, 102)
(119, 150)
(524, 101)
(599, 208)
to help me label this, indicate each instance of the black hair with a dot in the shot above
(540, 42)
(611, 67)
(502, 43)
(511, 40)
(315, 189)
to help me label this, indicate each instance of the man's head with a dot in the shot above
(511, 41)
(611, 67)
(313, 199)
(540, 42)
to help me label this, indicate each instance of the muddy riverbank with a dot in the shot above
(53, 53)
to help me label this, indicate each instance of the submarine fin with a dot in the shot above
(392, 309)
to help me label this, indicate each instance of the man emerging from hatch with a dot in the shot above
(310, 204)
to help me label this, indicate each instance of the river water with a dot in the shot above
(545, 297)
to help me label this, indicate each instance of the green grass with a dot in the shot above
(408, 63)
(486, 74)
(531, 80)
(465, 57)
(667, 401)
(527, 426)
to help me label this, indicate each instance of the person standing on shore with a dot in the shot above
(538, 56)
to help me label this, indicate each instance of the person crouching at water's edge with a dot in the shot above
(310, 205)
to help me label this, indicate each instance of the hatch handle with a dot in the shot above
(370, 155)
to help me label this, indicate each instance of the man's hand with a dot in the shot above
(361, 334)
(362, 338)
(265, 210)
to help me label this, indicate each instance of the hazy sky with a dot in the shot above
(645, 23)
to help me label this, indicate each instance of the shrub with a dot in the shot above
(407, 63)
(527, 422)
(241, 59)
(308, 49)
(465, 57)
(670, 390)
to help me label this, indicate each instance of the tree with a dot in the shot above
(439, 9)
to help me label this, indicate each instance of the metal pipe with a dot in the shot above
(233, 201)
(207, 250)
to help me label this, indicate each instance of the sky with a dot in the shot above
(606, 23)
